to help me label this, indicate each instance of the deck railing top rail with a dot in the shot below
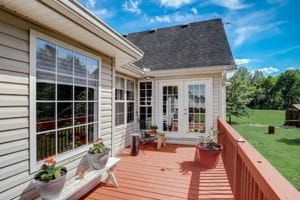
(251, 176)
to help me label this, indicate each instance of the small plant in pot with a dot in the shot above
(208, 150)
(50, 179)
(153, 129)
(98, 154)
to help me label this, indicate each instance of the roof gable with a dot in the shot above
(199, 44)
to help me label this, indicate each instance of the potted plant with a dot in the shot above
(153, 129)
(98, 154)
(208, 150)
(50, 179)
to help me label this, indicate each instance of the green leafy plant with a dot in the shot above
(98, 147)
(154, 127)
(209, 141)
(49, 171)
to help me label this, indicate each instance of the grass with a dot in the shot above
(281, 149)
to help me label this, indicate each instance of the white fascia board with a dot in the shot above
(99, 25)
(131, 70)
(76, 22)
(189, 71)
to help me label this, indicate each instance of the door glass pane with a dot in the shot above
(170, 108)
(196, 109)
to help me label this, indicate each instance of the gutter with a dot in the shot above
(92, 23)
(188, 71)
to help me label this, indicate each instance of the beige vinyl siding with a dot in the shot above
(15, 177)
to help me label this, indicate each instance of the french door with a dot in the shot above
(185, 107)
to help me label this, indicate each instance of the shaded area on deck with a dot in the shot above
(168, 173)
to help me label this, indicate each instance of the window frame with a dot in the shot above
(152, 105)
(125, 101)
(34, 35)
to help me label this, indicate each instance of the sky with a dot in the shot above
(263, 34)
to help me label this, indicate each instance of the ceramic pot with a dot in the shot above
(208, 158)
(99, 160)
(51, 189)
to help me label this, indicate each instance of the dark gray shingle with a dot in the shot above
(197, 45)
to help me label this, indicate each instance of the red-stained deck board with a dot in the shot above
(168, 173)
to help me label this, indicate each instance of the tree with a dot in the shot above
(257, 80)
(239, 93)
(288, 86)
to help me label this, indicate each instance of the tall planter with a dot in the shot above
(99, 160)
(50, 189)
(208, 158)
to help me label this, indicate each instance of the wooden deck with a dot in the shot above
(168, 173)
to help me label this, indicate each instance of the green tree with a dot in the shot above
(239, 93)
(288, 86)
(257, 80)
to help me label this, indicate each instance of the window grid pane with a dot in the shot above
(66, 99)
(145, 94)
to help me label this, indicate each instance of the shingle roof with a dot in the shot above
(197, 44)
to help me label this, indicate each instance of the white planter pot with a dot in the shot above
(99, 160)
(52, 189)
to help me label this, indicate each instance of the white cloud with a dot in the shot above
(290, 68)
(285, 50)
(231, 4)
(103, 13)
(194, 10)
(91, 3)
(253, 26)
(164, 18)
(132, 6)
(268, 70)
(241, 61)
(175, 3)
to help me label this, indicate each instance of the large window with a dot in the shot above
(124, 99)
(66, 99)
(145, 94)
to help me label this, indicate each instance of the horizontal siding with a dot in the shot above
(15, 146)
(16, 181)
(106, 102)
(12, 135)
(14, 65)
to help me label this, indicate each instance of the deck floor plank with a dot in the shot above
(168, 173)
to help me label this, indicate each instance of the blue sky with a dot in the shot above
(263, 34)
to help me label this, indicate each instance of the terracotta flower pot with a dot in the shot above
(208, 158)
(50, 189)
(99, 160)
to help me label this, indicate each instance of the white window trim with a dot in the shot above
(152, 100)
(125, 101)
(34, 164)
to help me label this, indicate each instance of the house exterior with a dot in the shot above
(67, 78)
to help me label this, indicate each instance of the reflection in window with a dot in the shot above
(66, 99)
(124, 105)
(145, 94)
(170, 108)
(196, 108)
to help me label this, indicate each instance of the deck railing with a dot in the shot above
(250, 175)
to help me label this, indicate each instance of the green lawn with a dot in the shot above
(282, 149)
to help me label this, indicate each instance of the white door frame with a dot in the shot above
(183, 104)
